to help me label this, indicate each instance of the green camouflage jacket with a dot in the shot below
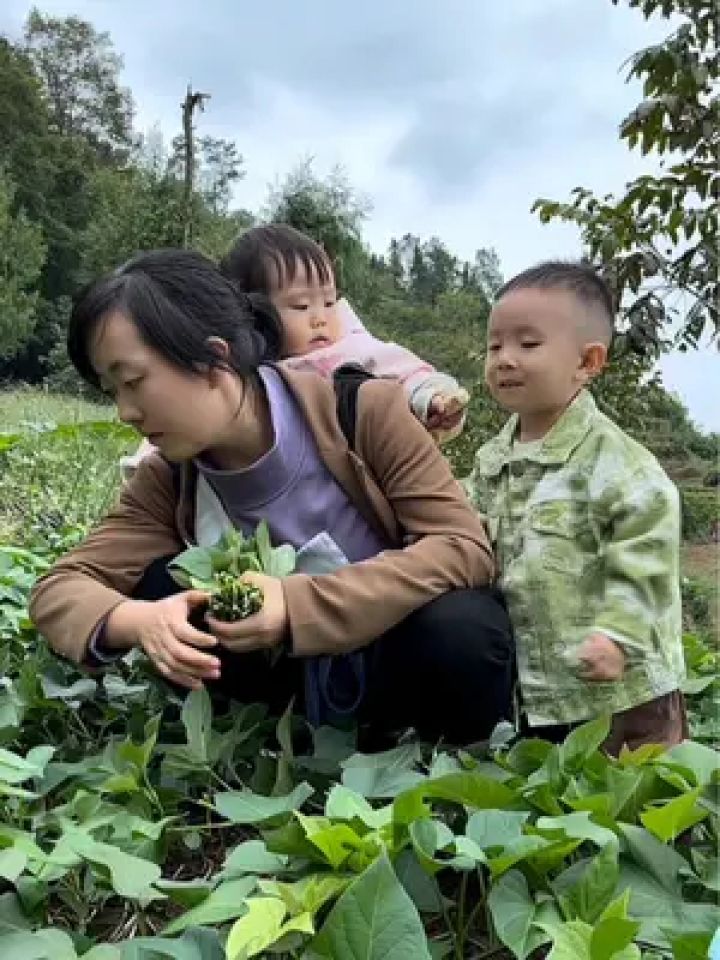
(586, 529)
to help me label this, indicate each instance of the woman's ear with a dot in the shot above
(220, 347)
(594, 358)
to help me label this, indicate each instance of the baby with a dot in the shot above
(322, 332)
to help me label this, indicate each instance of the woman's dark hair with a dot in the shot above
(264, 255)
(178, 300)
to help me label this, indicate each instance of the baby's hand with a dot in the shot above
(600, 658)
(446, 412)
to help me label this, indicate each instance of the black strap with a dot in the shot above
(347, 381)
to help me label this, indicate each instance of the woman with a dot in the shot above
(189, 362)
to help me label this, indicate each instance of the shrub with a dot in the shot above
(700, 513)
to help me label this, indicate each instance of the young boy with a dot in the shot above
(585, 522)
(322, 332)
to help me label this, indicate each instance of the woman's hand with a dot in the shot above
(171, 643)
(262, 630)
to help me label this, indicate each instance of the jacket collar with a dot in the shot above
(565, 435)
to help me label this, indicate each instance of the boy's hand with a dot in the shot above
(262, 630)
(600, 658)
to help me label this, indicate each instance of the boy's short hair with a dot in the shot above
(580, 279)
(263, 256)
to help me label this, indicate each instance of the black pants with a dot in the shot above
(447, 669)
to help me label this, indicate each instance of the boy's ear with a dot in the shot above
(594, 358)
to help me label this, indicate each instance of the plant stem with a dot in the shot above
(219, 779)
(461, 927)
(457, 947)
(201, 826)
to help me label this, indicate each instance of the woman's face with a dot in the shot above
(179, 412)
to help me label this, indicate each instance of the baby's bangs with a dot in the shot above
(309, 263)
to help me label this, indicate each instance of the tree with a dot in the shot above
(220, 168)
(660, 238)
(330, 212)
(23, 130)
(133, 209)
(142, 207)
(441, 268)
(49, 174)
(395, 265)
(80, 73)
(22, 253)
(419, 275)
(483, 276)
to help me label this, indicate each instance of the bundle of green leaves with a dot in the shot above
(219, 570)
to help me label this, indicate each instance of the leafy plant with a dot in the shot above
(135, 825)
(659, 237)
(219, 569)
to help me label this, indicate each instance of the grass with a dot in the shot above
(62, 473)
(27, 405)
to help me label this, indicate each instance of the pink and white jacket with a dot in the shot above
(420, 380)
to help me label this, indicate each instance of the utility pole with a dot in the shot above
(191, 102)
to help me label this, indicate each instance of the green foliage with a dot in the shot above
(234, 600)
(673, 426)
(700, 514)
(84, 183)
(233, 554)
(225, 834)
(133, 209)
(23, 129)
(219, 570)
(22, 254)
(329, 211)
(80, 71)
(697, 600)
(146, 825)
(660, 237)
(98, 812)
(56, 478)
(220, 166)
(702, 686)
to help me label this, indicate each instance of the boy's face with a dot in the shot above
(308, 311)
(536, 355)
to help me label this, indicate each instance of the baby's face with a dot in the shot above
(534, 361)
(308, 311)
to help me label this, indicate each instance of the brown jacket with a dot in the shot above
(396, 478)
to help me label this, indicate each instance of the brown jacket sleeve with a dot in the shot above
(337, 612)
(85, 585)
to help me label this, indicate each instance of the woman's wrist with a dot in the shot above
(121, 626)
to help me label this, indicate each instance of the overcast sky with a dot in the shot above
(452, 116)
